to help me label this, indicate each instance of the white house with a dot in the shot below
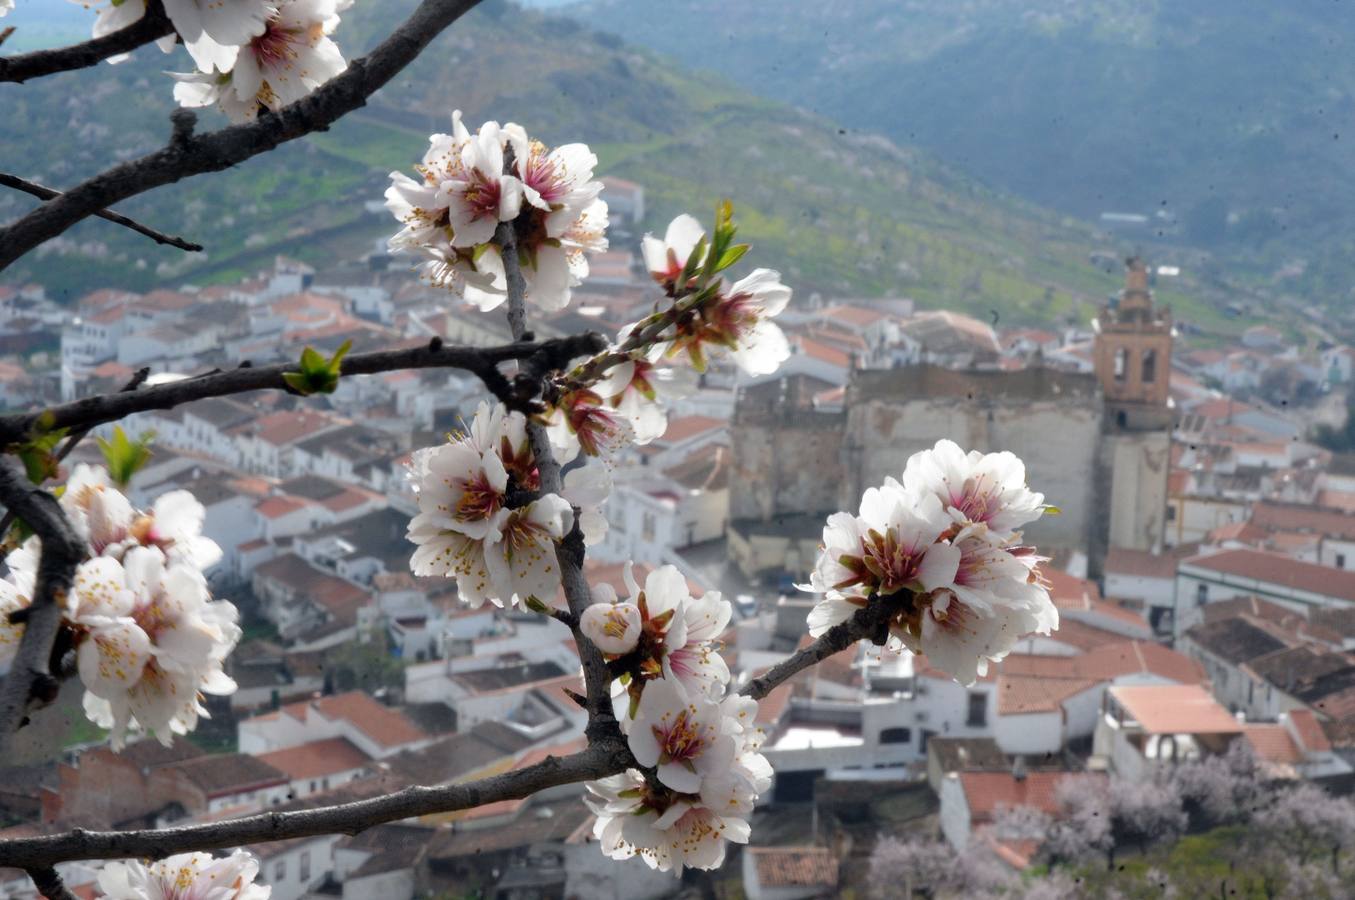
(372, 728)
(1300, 586)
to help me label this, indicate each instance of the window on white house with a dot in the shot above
(896, 736)
(280, 870)
(978, 709)
(304, 866)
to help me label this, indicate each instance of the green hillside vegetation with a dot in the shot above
(839, 212)
(1235, 117)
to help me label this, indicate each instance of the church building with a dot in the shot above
(1097, 445)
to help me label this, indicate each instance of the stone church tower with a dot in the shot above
(1133, 365)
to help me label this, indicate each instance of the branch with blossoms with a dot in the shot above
(107, 43)
(672, 768)
(270, 65)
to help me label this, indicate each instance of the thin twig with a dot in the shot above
(103, 408)
(597, 761)
(46, 193)
(150, 27)
(218, 150)
(30, 675)
(865, 624)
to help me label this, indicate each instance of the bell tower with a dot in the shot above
(1132, 354)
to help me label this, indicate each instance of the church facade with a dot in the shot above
(1097, 445)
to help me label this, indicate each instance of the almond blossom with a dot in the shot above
(286, 58)
(522, 563)
(154, 642)
(13, 597)
(581, 422)
(665, 259)
(941, 546)
(637, 387)
(187, 876)
(987, 489)
(5, 6)
(614, 628)
(476, 192)
(739, 320)
(671, 830)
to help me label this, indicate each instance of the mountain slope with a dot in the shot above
(837, 212)
(1238, 116)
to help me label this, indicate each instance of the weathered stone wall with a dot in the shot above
(787, 456)
(1139, 464)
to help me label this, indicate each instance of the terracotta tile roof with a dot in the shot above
(340, 597)
(1023, 694)
(1272, 743)
(385, 726)
(223, 774)
(1282, 571)
(790, 867)
(280, 505)
(1275, 516)
(684, 427)
(287, 427)
(987, 792)
(1235, 640)
(1140, 563)
(317, 759)
(1107, 662)
(1083, 636)
(1309, 731)
(1175, 709)
(860, 316)
(1069, 591)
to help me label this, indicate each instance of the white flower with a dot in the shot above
(757, 345)
(614, 628)
(682, 735)
(976, 488)
(154, 642)
(12, 599)
(587, 488)
(665, 259)
(463, 490)
(278, 64)
(697, 664)
(174, 524)
(195, 90)
(522, 562)
(632, 389)
(5, 6)
(442, 551)
(187, 876)
(890, 547)
(994, 601)
(213, 30)
(581, 421)
(477, 193)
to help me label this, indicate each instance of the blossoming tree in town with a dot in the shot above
(117, 597)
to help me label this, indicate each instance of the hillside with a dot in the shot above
(839, 212)
(1235, 117)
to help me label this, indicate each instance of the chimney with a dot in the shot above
(1019, 768)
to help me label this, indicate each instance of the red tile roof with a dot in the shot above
(790, 867)
(1282, 571)
(317, 759)
(385, 726)
(684, 427)
(987, 792)
(1024, 694)
(1272, 743)
(1175, 709)
(1309, 731)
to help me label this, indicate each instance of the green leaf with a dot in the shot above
(36, 453)
(124, 456)
(693, 261)
(318, 375)
(730, 256)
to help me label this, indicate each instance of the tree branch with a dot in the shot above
(869, 622)
(72, 439)
(150, 27)
(193, 155)
(46, 193)
(49, 884)
(597, 761)
(104, 408)
(569, 553)
(30, 675)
